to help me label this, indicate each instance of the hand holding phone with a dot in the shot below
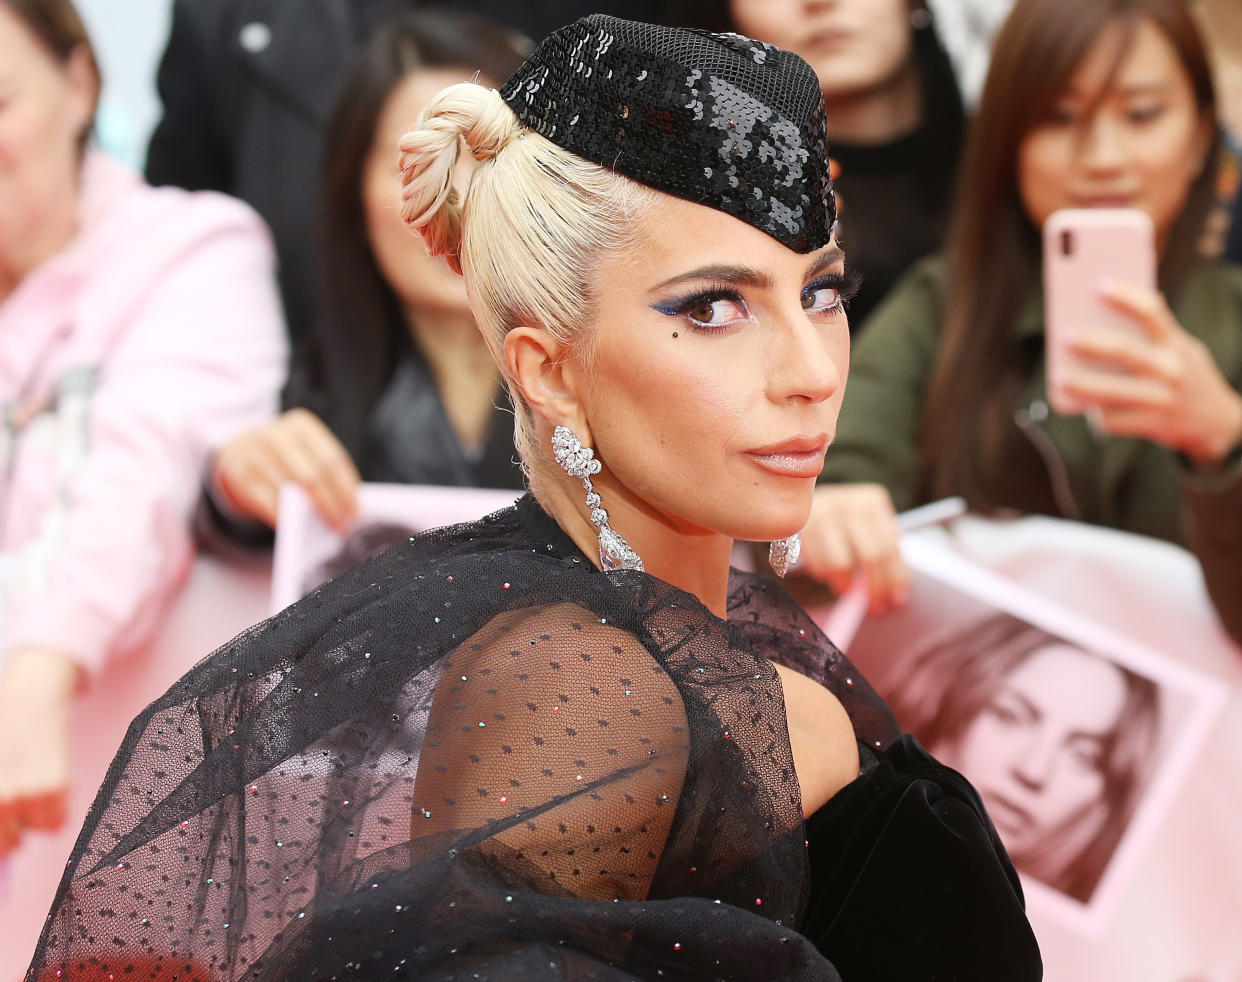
(1120, 353)
(1084, 249)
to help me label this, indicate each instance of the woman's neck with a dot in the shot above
(693, 560)
(463, 369)
(881, 114)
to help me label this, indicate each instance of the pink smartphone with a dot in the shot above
(1083, 247)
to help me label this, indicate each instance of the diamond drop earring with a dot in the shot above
(783, 554)
(579, 461)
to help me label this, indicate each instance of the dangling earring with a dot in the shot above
(783, 554)
(579, 461)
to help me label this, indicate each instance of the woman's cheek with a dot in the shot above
(1078, 787)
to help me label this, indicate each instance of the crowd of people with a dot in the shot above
(256, 311)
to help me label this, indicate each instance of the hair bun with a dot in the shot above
(430, 204)
(494, 128)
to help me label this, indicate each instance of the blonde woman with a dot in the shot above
(565, 742)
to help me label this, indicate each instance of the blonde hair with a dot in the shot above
(537, 224)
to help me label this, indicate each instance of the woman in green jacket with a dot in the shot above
(1105, 104)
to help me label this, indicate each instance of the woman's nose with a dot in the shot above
(804, 367)
(1104, 147)
(1033, 768)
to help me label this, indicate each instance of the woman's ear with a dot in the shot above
(548, 377)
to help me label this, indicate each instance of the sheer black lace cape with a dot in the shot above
(478, 757)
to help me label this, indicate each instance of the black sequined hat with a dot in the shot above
(717, 119)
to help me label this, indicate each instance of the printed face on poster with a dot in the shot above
(1075, 737)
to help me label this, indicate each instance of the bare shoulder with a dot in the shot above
(825, 749)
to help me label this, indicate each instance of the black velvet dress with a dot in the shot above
(478, 757)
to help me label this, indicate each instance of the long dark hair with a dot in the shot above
(57, 25)
(358, 328)
(993, 251)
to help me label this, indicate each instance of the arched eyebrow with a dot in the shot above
(748, 275)
(826, 259)
(1029, 707)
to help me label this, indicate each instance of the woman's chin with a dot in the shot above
(773, 525)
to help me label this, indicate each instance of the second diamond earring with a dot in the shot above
(783, 554)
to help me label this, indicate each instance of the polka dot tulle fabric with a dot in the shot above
(474, 757)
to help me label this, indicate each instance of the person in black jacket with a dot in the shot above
(395, 383)
(247, 86)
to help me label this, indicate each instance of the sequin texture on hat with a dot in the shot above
(717, 119)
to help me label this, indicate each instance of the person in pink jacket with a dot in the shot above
(139, 329)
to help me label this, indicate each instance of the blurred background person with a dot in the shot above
(894, 112)
(1103, 104)
(138, 328)
(1221, 22)
(967, 28)
(1059, 741)
(247, 87)
(396, 382)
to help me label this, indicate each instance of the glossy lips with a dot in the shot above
(801, 457)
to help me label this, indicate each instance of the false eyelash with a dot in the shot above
(683, 306)
(846, 283)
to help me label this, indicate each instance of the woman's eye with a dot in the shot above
(1086, 760)
(1145, 114)
(822, 298)
(1005, 714)
(1087, 754)
(709, 310)
(717, 313)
